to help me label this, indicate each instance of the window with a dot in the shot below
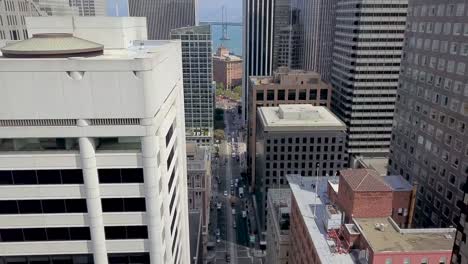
(126, 232)
(270, 95)
(407, 261)
(388, 261)
(292, 95)
(281, 95)
(324, 94)
(259, 96)
(424, 261)
(302, 95)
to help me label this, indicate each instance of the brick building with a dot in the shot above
(373, 240)
(227, 68)
(363, 193)
(284, 87)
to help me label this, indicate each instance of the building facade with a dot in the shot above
(13, 13)
(92, 152)
(199, 184)
(197, 66)
(227, 68)
(295, 139)
(366, 64)
(89, 7)
(287, 45)
(460, 248)
(278, 226)
(317, 24)
(162, 16)
(284, 87)
(430, 139)
(258, 43)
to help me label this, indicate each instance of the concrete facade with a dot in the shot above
(227, 68)
(460, 248)
(430, 139)
(284, 87)
(162, 16)
(92, 154)
(366, 65)
(295, 139)
(197, 67)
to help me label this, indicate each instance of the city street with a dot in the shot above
(233, 219)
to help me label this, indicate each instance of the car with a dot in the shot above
(234, 225)
(244, 214)
(218, 239)
(218, 232)
(233, 211)
(218, 205)
(226, 193)
(228, 257)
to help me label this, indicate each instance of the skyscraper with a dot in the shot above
(430, 135)
(164, 15)
(317, 24)
(366, 63)
(258, 43)
(90, 7)
(197, 65)
(92, 146)
(287, 35)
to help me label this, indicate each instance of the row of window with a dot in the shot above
(115, 258)
(70, 233)
(58, 206)
(301, 95)
(73, 176)
(305, 140)
(303, 148)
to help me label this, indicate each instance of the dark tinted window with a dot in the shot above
(132, 175)
(6, 177)
(49, 177)
(25, 177)
(72, 176)
(30, 207)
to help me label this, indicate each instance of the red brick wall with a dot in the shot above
(401, 200)
(345, 199)
(372, 204)
(363, 204)
(302, 248)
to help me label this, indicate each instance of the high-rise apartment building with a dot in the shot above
(92, 146)
(317, 24)
(162, 16)
(366, 63)
(197, 65)
(295, 139)
(258, 43)
(430, 134)
(284, 87)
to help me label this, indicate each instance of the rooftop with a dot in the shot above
(197, 157)
(395, 239)
(203, 29)
(280, 199)
(305, 195)
(397, 183)
(287, 76)
(364, 180)
(299, 117)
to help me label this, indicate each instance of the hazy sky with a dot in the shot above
(209, 10)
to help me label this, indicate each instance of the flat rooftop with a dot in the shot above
(281, 201)
(397, 183)
(299, 117)
(406, 240)
(307, 197)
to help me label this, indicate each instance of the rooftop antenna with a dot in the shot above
(224, 24)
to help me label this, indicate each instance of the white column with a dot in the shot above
(93, 197)
(149, 153)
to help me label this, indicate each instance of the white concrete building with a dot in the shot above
(92, 146)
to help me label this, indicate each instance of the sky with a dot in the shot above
(209, 10)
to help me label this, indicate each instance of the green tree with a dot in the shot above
(218, 134)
